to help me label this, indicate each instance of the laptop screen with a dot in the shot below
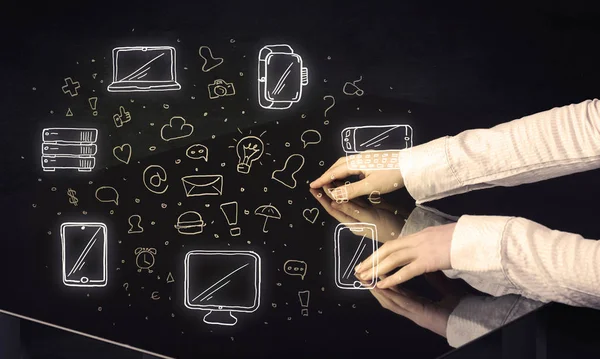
(149, 65)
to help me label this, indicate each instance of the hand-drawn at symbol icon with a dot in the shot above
(144, 258)
(202, 185)
(154, 296)
(292, 165)
(121, 117)
(249, 150)
(84, 254)
(295, 267)
(190, 223)
(72, 199)
(304, 296)
(107, 194)
(69, 112)
(135, 224)
(351, 89)
(210, 62)
(122, 153)
(197, 152)
(176, 129)
(71, 87)
(230, 211)
(375, 147)
(170, 278)
(375, 197)
(93, 101)
(144, 68)
(281, 77)
(353, 244)
(310, 137)
(330, 107)
(220, 88)
(267, 211)
(155, 179)
(69, 148)
(310, 214)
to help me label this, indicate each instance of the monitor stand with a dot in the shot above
(219, 317)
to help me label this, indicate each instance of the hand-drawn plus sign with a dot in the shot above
(71, 87)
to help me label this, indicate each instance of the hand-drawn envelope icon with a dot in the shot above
(202, 185)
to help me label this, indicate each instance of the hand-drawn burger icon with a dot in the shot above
(189, 223)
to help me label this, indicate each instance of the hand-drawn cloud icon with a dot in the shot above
(190, 223)
(197, 152)
(267, 211)
(84, 254)
(292, 165)
(202, 185)
(210, 62)
(107, 194)
(310, 137)
(155, 179)
(176, 129)
(295, 268)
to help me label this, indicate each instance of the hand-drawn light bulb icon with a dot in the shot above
(249, 149)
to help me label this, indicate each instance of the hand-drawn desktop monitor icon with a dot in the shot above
(354, 243)
(375, 147)
(144, 68)
(281, 77)
(222, 282)
(84, 254)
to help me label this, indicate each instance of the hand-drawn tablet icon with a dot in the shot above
(155, 179)
(144, 68)
(375, 147)
(202, 185)
(144, 258)
(222, 282)
(190, 223)
(84, 254)
(352, 245)
(69, 148)
(281, 77)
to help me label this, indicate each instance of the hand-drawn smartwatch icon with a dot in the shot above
(281, 77)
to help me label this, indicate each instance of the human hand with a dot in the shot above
(384, 181)
(422, 252)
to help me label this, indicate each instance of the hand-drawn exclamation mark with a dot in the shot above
(93, 102)
(230, 211)
(304, 298)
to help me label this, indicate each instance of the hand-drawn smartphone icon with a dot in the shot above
(84, 254)
(354, 243)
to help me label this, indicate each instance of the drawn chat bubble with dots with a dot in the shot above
(295, 268)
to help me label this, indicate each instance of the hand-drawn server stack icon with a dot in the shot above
(69, 148)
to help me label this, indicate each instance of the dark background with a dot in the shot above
(441, 68)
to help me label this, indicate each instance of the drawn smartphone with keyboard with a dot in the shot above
(375, 147)
(354, 243)
(84, 254)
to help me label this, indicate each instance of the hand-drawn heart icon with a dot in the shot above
(123, 153)
(311, 214)
(210, 62)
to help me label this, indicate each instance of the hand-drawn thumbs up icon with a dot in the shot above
(210, 62)
(121, 117)
(285, 176)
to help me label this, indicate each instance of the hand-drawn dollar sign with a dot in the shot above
(72, 199)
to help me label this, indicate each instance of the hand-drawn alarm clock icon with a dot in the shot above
(145, 258)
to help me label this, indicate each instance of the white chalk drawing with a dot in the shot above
(311, 214)
(84, 254)
(176, 128)
(123, 116)
(375, 197)
(155, 179)
(71, 87)
(281, 77)
(375, 147)
(220, 88)
(249, 150)
(144, 258)
(72, 198)
(340, 194)
(210, 62)
(267, 211)
(353, 243)
(330, 107)
(69, 112)
(123, 153)
(170, 278)
(310, 137)
(351, 89)
(69, 148)
(135, 224)
(93, 101)
(304, 296)
(295, 267)
(222, 281)
(197, 152)
(230, 211)
(107, 194)
(190, 223)
(285, 176)
(154, 295)
(202, 185)
(144, 68)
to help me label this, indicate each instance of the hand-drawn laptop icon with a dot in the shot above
(144, 68)
(84, 254)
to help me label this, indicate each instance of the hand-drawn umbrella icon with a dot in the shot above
(267, 211)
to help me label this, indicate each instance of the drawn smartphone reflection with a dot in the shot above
(375, 147)
(84, 254)
(222, 282)
(354, 243)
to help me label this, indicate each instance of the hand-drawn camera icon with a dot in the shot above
(220, 88)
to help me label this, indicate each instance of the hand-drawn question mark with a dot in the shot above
(333, 104)
(126, 286)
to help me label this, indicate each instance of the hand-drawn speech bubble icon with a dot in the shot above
(310, 137)
(197, 152)
(295, 268)
(107, 194)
